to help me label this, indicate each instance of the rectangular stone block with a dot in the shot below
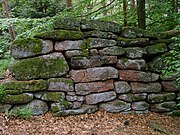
(94, 74)
(61, 84)
(100, 43)
(91, 61)
(139, 76)
(100, 97)
(86, 88)
(68, 45)
(145, 87)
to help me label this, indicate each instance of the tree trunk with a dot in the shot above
(124, 12)
(132, 4)
(141, 14)
(6, 14)
(69, 3)
(104, 7)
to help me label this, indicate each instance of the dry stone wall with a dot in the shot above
(83, 66)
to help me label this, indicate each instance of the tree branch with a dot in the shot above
(97, 9)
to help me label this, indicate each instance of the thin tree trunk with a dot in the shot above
(141, 14)
(104, 6)
(124, 12)
(6, 14)
(132, 4)
(69, 3)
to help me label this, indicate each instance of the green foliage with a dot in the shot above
(2, 93)
(20, 113)
(35, 8)
(173, 62)
(4, 64)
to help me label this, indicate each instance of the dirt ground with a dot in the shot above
(99, 123)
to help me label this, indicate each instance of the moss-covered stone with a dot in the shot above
(130, 32)
(37, 107)
(53, 96)
(99, 34)
(101, 25)
(67, 23)
(158, 63)
(114, 50)
(23, 48)
(17, 99)
(47, 66)
(115, 106)
(132, 97)
(17, 87)
(4, 107)
(132, 42)
(55, 107)
(61, 35)
(61, 84)
(156, 49)
(158, 98)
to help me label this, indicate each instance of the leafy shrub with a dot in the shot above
(20, 113)
(2, 93)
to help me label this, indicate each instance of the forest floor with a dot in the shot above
(99, 123)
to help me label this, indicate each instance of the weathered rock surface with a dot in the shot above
(134, 52)
(132, 42)
(157, 63)
(53, 96)
(68, 45)
(46, 66)
(94, 74)
(61, 84)
(4, 107)
(23, 48)
(163, 107)
(156, 49)
(115, 106)
(92, 61)
(86, 88)
(114, 50)
(140, 106)
(100, 34)
(17, 87)
(77, 105)
(145, 87)
(137, 64)
(61, 35)
(37, 107)
(121, 87)
(130, 32)
(100, 97)
(59, 106)
(139, 76)
(170, 86)
(74, 53)
(17, 99)
(99, 43)
(158, 98)
(101, 25)
(67, 23)
(132, 97)
(84, 109)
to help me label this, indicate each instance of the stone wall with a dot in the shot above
(83, 66)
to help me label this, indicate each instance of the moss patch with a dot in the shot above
(61, 35)
(17, 99)
(31, 44)
(53, 96)
(40, 67)
(156, 49)
(17, 87)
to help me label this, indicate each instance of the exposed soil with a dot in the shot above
(100, 123)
